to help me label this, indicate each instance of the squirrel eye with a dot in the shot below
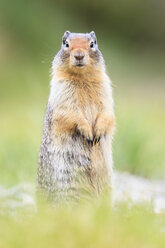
(92, 44)
(67, 44)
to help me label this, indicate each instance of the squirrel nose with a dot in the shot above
(79, 56)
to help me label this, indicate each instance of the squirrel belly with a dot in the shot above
(75, 156)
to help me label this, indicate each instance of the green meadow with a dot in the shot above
(91, 225)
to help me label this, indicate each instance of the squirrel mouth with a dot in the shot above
(80, 65)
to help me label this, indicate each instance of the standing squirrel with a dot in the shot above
(75, 153)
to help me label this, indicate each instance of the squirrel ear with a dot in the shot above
(93, 36)
(65, 36)
(67, 33)
(92, 33)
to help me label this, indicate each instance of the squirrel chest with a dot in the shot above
(89, 101)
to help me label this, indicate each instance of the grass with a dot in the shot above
(139, 141)
(87, 225)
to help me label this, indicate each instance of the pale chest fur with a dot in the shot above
(89, 98)
(90, 102)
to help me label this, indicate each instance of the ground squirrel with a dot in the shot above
(79, 122)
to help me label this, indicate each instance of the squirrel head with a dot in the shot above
(78, 52)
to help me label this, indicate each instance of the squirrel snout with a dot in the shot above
(79, 56)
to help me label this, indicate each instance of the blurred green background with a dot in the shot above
(131, 36)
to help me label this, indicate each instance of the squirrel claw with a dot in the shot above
(90, 142)
(93, 141)
(96, 140)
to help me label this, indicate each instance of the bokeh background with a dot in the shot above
(131, 36)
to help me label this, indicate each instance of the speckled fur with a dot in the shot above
(75, 154)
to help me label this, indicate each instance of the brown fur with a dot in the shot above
(81, 43)
(88, 88)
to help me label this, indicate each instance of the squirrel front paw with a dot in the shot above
(104, 124)
(85, 131)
